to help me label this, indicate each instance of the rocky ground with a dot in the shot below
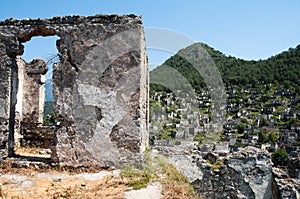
(29, 177)
(215, 172)
(61, 185)
(212, 171)
(53, 184)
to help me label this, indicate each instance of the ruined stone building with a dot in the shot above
(30, 95)
(99, 87)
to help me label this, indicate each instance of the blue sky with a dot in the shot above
(246, 29)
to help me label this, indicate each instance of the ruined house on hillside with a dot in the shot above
(99, 87)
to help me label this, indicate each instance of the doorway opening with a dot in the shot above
(34, 117)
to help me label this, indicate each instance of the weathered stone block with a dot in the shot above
(99, 86)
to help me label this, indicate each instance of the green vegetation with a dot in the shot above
(280, 157)
(240, 127)
(167, 133)
(199, 138)
(48, 108)
(51, 119)
(175, 184)
(136, 178)
(282, 69)
(264, 137)
(218, 164)
(273, 136)
(244, 121)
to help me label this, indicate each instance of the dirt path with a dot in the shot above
(152, 191)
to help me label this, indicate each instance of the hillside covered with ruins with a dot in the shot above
(260, 113)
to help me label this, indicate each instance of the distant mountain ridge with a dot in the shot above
(283, 68)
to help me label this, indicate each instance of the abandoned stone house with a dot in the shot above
(30, 96)
(99, 87)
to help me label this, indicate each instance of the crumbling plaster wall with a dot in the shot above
(99, 87)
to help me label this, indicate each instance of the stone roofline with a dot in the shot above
(75, 19)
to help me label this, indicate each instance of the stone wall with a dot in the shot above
(99, 87)
(30, 96)
(33, 90)
(9, 48)
(5, 87)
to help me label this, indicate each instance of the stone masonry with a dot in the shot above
(30, 96)
(99, 87)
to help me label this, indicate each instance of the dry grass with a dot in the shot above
(109, 188)
(175, 185)
(8, 168)
(30, 152)
(177, 190)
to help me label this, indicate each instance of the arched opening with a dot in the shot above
(33, 132)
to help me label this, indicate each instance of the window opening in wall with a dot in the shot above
(35, 120)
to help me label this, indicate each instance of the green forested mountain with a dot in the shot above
(282, 69)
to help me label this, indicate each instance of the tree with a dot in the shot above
(264, 122)
(240, 127)
(273, 137)
(280, 157)
(244, 120)
(263, 137)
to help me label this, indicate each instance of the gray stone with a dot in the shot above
(184, 164)
(99, 87)
(45, 151)
(284, 186)
(246, 173)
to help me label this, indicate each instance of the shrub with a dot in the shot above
(280, 157)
